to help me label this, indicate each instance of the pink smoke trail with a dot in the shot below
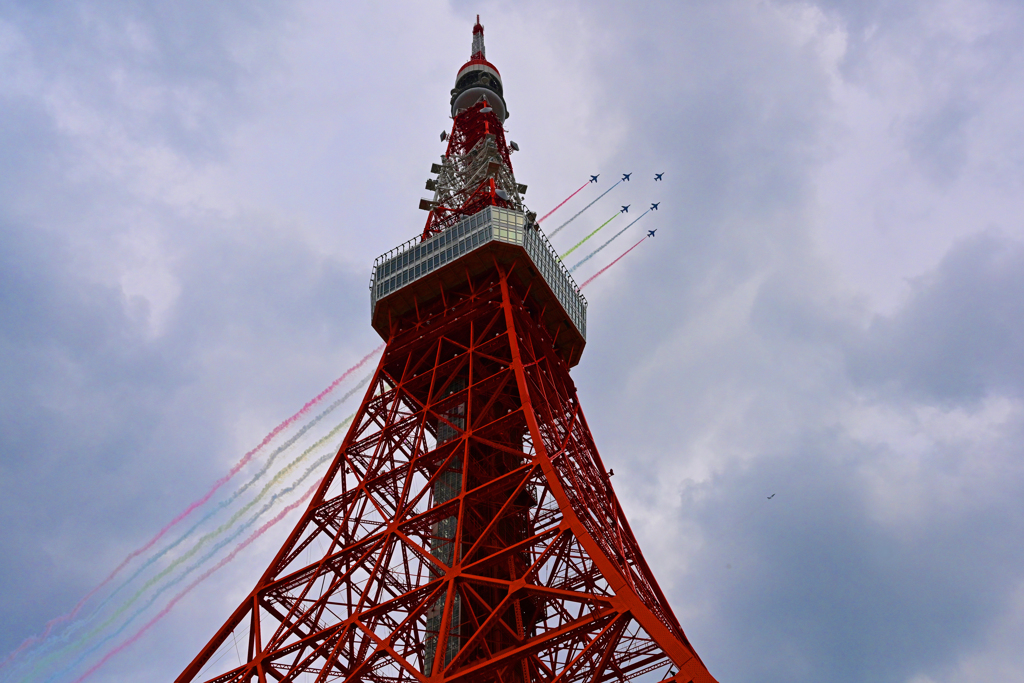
(564, 201)
(205, 575)
(592, 277)
(32, 640)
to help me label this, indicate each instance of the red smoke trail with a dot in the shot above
(591, 278)
(564, 201)
(185, 513)
(170, 605)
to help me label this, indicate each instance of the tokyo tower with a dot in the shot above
(466, 530)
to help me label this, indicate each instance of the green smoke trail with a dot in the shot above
(578, 244)
(596, 251)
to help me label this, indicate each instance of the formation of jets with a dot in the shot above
(593, 178)
(625, 209)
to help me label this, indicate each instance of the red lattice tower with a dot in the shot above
(467, 529)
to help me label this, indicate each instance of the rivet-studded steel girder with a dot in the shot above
(465, 531)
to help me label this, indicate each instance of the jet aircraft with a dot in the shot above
(654, 206)
(657, 176)
(593, 178)
(625, 176)
(625, 209)
(650, 233)
(771, 496)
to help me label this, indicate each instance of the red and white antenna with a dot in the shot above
(478, 41)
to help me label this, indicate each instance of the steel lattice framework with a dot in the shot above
(466, 530)
(467, 513)
(475, 171)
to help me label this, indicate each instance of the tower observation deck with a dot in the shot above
(415, 272)
(467, 529)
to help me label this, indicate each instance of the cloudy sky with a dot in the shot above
(832, 310)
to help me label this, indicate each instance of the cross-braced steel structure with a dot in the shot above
(467, 529)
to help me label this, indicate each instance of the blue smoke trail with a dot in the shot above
(556, 230)
(594, 253)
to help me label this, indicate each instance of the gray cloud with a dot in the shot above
(961, 336)
(192, 197)
(815, 589)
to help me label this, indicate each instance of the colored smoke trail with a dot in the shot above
(202, 541)
(559, 228)
(205, 575)
(565, 200)
(220, 506)
(594, 276)
(225, 526)
(595, 252)
(238, 492)
(181, 577)
(578, 244)
(32, 640)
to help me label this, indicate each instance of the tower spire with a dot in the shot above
(476, 169)
(478, 41)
